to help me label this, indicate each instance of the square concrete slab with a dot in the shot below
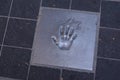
(82, 52)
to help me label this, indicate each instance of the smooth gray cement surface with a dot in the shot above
(82, 52)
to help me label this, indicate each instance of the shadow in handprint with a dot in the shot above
(66, 34)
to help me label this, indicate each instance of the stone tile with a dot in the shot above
(14, 63)
(20, 33)
(3, 22)
(25, 8)
(109, 43)
(107, 70)
(56, 3)
(110, 13)
(86, 5)
(42, 73)
(73, 75)
(5, 7)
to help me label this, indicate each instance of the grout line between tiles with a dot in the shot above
(23, 18)
(16, 47)
(4, 16)
(70, 5)
(109, 28)
(113, 0)
(19, 18)
(7, 78)
(98, 38)
(27, 77)
(108, 58)
(61, 72)
(6, 26)
(40, 9)
(41, 3)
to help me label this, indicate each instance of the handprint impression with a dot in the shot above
(66, 35)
